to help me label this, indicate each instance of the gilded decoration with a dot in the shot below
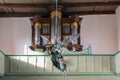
(53, 14)
(37, 25)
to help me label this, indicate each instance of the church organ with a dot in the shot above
(55, 26)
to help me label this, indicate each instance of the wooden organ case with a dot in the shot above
(49, 28)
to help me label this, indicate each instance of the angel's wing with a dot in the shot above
(75, 36)
(65, 41)
(45, 40)
(72, 39)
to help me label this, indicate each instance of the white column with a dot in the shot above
(118, 25)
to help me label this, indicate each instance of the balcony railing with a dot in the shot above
(77, 65)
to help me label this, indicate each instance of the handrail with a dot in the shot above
(59, 74)
(68, 55)
(2, 63)
(118, 52)
(117, 62)
(2, 52)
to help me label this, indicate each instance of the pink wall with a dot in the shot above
(118, 25)
(14, 34)
(97, 30)
(6, 35)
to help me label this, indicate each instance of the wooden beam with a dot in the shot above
(87, 4)
(87, 13)
(46, 14)
(24, 5)
(24, 14)
(65, 5)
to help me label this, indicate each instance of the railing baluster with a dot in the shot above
(109, 63)
(52, 68)
(93, 64)
(69, 63)
(19, 64)
(44, 65)
(36, 63)
(28, 63)
(85, 65)
(77, 65)
(10, 64)
(101, 66)
(115, 59)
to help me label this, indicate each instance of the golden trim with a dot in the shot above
(37, 25)
(53, 14)
(74, 24)
(66, 24)
(45, 24)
